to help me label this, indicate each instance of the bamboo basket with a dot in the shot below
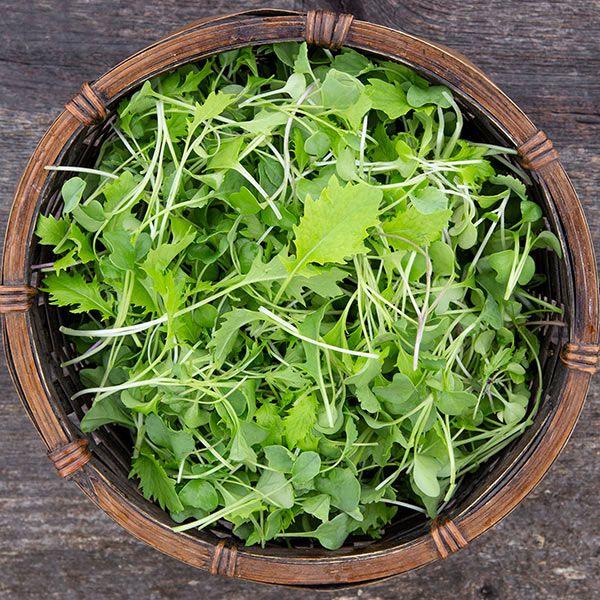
(98, 463)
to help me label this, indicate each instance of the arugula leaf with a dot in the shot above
(105, 411)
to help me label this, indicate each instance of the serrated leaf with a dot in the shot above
(299, 421)
(335, 225)
(410, 227)
(74, 291)
(51, 231)
(155, 483)
(226, 334)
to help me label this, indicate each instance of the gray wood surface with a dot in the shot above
(55, 544)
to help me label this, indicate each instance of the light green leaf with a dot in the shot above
(72, 192)
(429, 200)
(199, 494)
(306, 468)
(388, 98)
(276, 489)
(318, 506)
(343, 488)
(155, 483)
(425, 471)
(74, 291)
(279, 458)
(340, 90)
(410, 227)
(335, 225)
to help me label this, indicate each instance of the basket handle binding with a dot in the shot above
(16, 298)
(447, 537)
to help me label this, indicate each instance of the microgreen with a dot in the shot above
(302, 291)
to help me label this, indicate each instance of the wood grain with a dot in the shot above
(73, 549)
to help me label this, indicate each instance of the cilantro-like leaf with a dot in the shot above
(155, 483)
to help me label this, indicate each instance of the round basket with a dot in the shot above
(98, 463)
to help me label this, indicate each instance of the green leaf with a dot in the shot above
(225, 336)
(323, 282)
(212, 107)
(276, 489)
(332, 534)
(51, 231)
(301, 62)
(442, 258)
(340, 90)
(227, 155)
(72, 192)
(351, 62)
(241, 451)
(180, 443)
(299, 421)
(530, 211)
(334, 227)
(342, 487)
(512, 183)
(513, 413)
(244, 201)
(155, 483)
(306, 468)
(429, 200)
(74, 291)
(122, 251)
(199, 494)
(264, 122)
(546, 239)
(418, 96)
(410, 227)
(388, 98)
(397, 394)
(455, 403)
(279, 458)
(317, 144)
(90, 216)
(318, 506)
(103, 412)
(425, 471)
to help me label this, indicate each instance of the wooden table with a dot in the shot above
(54, 543)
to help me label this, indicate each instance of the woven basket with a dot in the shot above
(98, 464)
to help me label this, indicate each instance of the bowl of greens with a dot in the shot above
(299, 305)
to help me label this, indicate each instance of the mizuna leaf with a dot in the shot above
(74, 291)
(335, 225)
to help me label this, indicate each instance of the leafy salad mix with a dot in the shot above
(302, 290)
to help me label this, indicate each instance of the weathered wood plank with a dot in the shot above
(54, 543)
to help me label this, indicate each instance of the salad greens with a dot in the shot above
(302, 290)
